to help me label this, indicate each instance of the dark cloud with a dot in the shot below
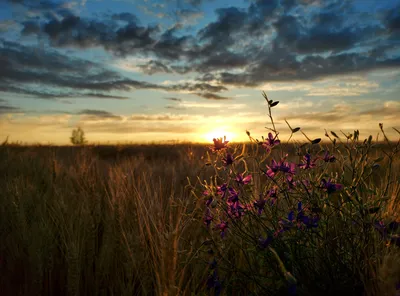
(174, 107)
(174, 99)
(393, 19)
(23, 69)
(8, 109)
(155, 118)
(153, 67)
(205, 87)
(211, 96)
(30, 28)
(270, 40)
(99, 114)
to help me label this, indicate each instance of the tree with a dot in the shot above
(78, 137)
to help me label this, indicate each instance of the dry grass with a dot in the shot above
(111, 220)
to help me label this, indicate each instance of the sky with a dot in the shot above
(191, 70)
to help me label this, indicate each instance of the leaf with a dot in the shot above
(316, 141)
(295, 130)
(274, 104)
(334, 134)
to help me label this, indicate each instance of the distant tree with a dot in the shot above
(78, 137)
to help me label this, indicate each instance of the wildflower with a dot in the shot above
(273, 169)
(243, 181)
(213, 278)
(219, 144)
(221, 190)
(207, 218)
(307, 163)
(233, 197)
(222, 227)
(270, 142)
(291, 183)
(282, 166)
(209, 201)
(273, 195)
(331, 187)
(259, 205)
(228, 159)
(236, 210)
(328, 158)
(286, 224)
(264, 243)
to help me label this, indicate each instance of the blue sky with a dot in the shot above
(142, 70)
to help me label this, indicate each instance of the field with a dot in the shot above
(132, 220)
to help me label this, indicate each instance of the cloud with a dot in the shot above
(174, 99)
(153, 67)
(163, 117)
(5, 109)
(269, 41)
(347, 114)
(5, 25)
(211, 96)
(389, 109)
(49, 75)
(189, 105)
(98, 114)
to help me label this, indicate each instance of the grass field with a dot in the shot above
(128, 220)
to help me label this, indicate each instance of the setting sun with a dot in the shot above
(218, 133)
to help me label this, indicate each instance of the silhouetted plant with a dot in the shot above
(78, 137)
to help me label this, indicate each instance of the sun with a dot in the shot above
(218, 133)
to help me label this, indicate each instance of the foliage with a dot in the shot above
(78, 137)
(303, 224)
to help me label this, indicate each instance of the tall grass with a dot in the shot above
(100, 220)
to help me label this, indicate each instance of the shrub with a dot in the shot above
(78, 137)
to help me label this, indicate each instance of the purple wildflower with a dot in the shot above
(207, 218)
(328, 158)
(219, 144)
(222, 227)
(236, 209)
(307, 162)
(234, 196)
(259, 204)
(272, 193)
(330, 187)
(270, 142)
(286, 224)
(273, 169)
(291, 183)
(282, 166)
(213, 279)
(228, 159)
(221, 190)
(243, 181)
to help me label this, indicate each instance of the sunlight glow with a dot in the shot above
(218, 133)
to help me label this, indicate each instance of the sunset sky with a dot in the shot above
(143, 70)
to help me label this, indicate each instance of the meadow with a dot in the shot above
(157, 219)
